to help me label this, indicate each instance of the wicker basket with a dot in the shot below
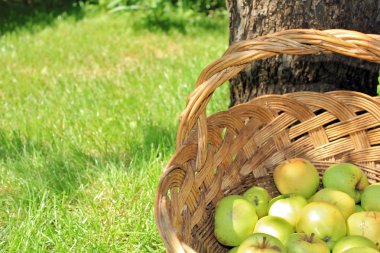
(232, 150)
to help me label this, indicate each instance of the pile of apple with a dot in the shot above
(344, 216)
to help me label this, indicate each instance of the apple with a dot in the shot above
(261, 243)
(302, 243)
(352, 241)
(366, 224)
(361, 250)
(298, 176)
(288, 207)
(358, 208)
(259, 197)
(370, 198)
(324, 220)
(235, 219)
(274, 226)
(340, 199)
(275, 199)
(346, 177)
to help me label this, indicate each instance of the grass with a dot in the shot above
(89, 111)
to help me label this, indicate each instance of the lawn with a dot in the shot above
(89, 111)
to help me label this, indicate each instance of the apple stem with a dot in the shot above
(264, 245)
(311, 238)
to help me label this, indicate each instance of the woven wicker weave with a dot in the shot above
(232, 150)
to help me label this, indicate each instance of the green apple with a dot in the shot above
(275, 199)
(303, 243)
(366, 224)
(259, 197)
(261, 243)
(352, 241)
(361, 250)
(298, 176)
(344, 202)
(358, 208)
(324, 220)
(274, 226)
(288, 207)
(370, 198)
(235, 219)
(346, 177)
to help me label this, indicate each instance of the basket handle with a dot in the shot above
(240, 54)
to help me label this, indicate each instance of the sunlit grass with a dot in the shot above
(89, 111)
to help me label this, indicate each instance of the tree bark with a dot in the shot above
(282, 74)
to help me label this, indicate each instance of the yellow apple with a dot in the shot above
(302, 243)
(361, 250)
(297, 176)
(324, 220)
(352, 241)
(261, 243)
(274, 226)
(344, 202)
(366, 224)
(288, 207)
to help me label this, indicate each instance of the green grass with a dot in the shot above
(89, 111)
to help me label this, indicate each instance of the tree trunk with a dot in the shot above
(282, 74)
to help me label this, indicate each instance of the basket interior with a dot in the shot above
(246, 142)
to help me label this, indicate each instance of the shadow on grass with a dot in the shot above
(158, 138)
(184, 22)
(43, 166)
(19, 15)
(63, 168)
